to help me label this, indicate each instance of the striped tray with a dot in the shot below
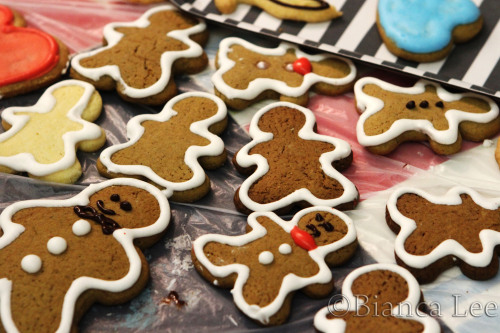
(474, 65)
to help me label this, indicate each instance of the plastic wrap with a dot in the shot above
(79, 25)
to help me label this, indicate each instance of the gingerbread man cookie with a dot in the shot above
(275, 258)
(297, 10)
(392, 115)
(377, 298)
(141, 57)
(248, 73)
(289, 164)
(57, 257)
(42, 139)
(29, 58)
(167, 148)
(426, 30)
(438, 232)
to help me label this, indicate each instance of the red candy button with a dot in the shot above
(302, 66)
(303, 239)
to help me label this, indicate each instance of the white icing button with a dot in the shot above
(289, 67)
(285, 248)
(81, 227)
(262, 65)
(57, 245)
(266, 257)
(31, 263)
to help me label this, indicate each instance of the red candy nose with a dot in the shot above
(303, 239)
(302, 66)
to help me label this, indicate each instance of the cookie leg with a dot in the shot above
(226, 6)
(93, 145)
(67, 176)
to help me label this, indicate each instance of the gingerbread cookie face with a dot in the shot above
(287, 255)
(248, 73)
(55, 251)
(377, 298)
(42, 139)
(438, 232)
(167, 148)
(289, 164)
(141, 57)
(425, 112)
(29, 58)
(426, 30)
(297, 10)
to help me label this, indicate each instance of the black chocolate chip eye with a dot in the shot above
(318, 217)
(410, 105)
(424, 104)
(440, 104)
(327, 226)
(316, 232)
(126, 206)
(115, 197)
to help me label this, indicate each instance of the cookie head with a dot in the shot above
(324, 228)
(282, 121)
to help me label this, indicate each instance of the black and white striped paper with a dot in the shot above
(474, 65)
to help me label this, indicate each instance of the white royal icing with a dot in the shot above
(342, 150)
(489, 238)
(262, 84)
(285, 248)
(266, 257)
(291, 282)
(369, 105)
(124, 236)
(135, 131)
(337, 325)
(81, 227)
(166, 61)
(31, 263)
(57, 245)
(25, 161)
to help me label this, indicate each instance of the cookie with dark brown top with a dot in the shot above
(141, 58)
(297, 10)
(29, 58)
(74, 252)
(392, 115)
(247, 73)
(275, 258)
(289, 164)
(437, 232)
(377, 298)
(171, 148)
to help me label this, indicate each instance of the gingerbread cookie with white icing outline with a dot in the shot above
(42, 139)
(29, 58)
(141, 58)
(247, 73)
(74, 252)
(289, 255)
(289, 164)
(426, 30)
(435, 233)
(377, 298)
(391, 115)
(167, 148)
(297, 10)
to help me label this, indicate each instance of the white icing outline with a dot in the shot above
(135, 132)
(489, 238)
(369, 105)
(291, 282)
(166, 61)
(322, 324)
(124, 236)
(26, 161)
(342, 150)
(262, 84)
